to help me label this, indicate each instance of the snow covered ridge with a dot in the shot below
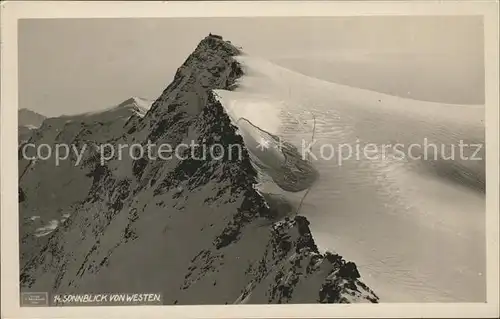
(199, 232)
(132, 107)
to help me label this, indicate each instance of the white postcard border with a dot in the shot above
(12, 11)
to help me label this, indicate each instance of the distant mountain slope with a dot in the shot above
(27, 117)
(196, 230)
(27, 122)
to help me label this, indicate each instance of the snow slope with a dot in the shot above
(415, 228)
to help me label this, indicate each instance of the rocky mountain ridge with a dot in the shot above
(195, 230)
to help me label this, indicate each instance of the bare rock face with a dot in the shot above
(195, 230)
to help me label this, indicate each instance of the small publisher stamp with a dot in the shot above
(34, 299)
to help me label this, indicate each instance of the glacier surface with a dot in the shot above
(415, 228)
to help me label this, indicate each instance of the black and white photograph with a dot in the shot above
(251, 160)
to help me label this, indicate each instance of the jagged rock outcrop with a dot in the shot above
(195, 230)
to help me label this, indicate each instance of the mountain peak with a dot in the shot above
(132, 99)
(142, 201)
(217, 42)
(138, 104)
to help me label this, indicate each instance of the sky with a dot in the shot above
(69, 66)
